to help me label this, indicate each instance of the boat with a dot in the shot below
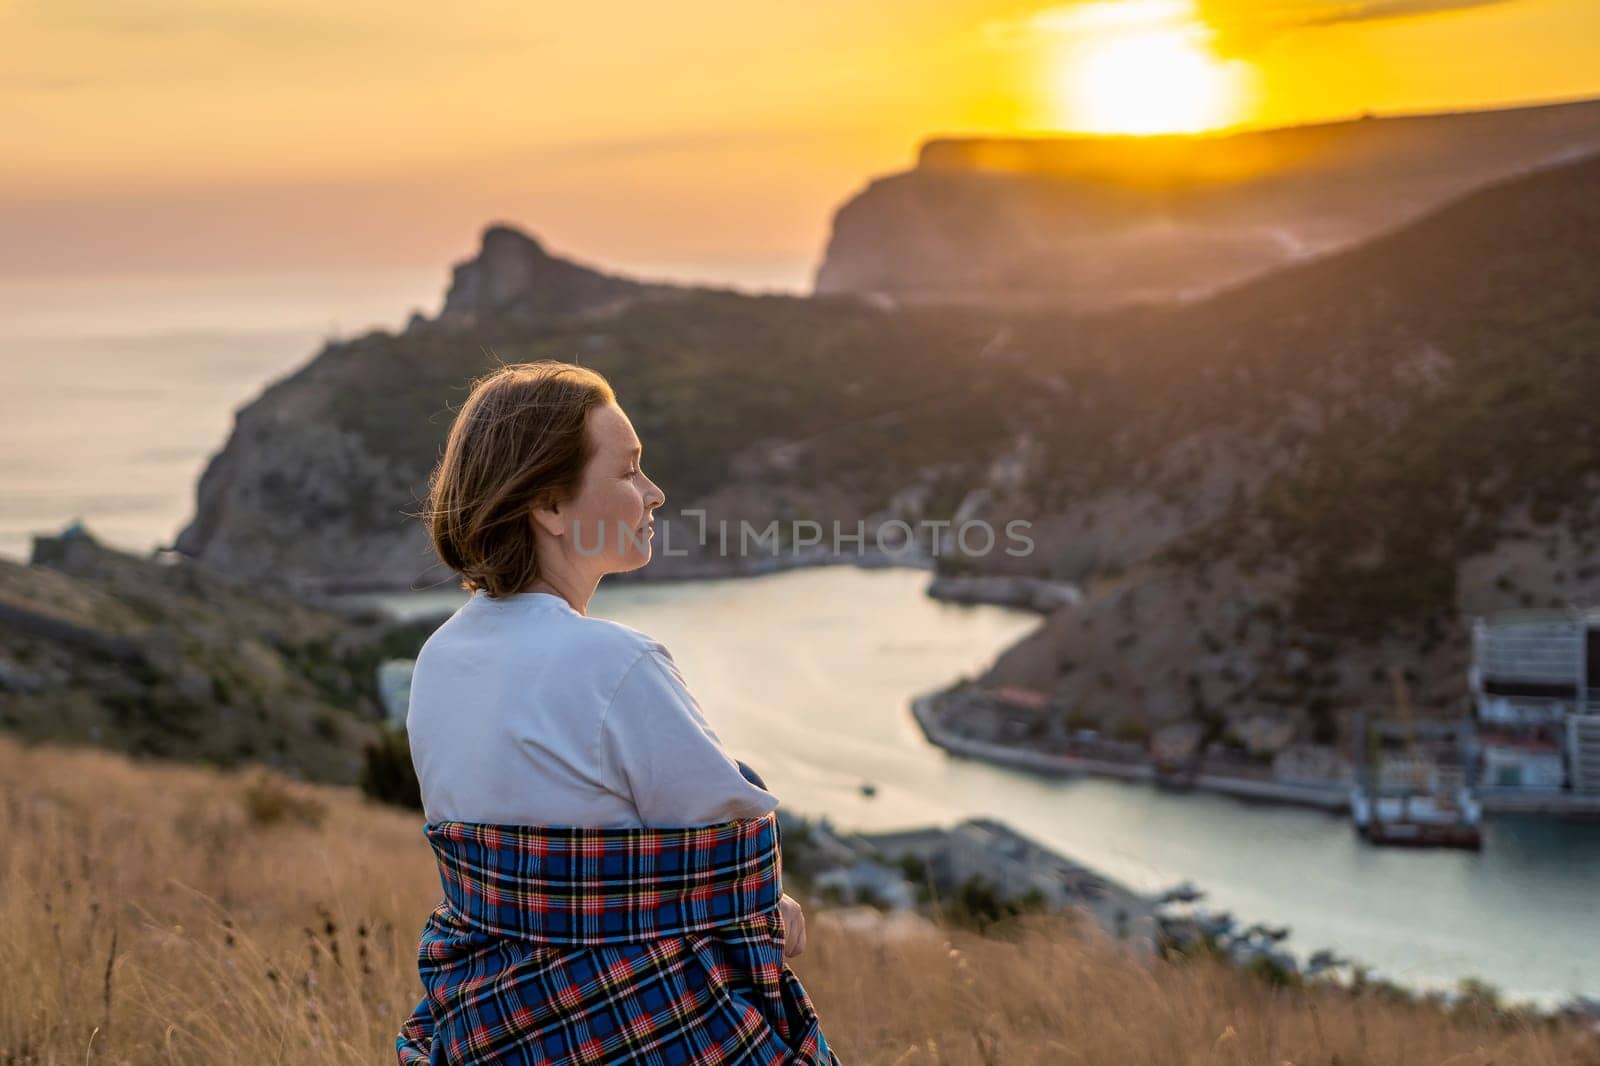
(1411, 796)
(1414, 819)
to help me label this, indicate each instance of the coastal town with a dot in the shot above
(1527, 743)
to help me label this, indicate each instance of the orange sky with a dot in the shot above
(704, 139)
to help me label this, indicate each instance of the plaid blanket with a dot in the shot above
(581, 945)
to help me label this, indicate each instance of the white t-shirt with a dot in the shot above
(524, 711)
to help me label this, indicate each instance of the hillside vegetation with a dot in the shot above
(1350, 459)
(161, 913)
(172, 659)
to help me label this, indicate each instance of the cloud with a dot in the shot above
(487, 25)
(70, 46)
(1322, 13)
(1240, 25)
(1231, 25)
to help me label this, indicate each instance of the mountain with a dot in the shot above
(1104, 221)
(513, 276)
(312, 479)
(1332, 469)
(743, 402)
(1269, 495)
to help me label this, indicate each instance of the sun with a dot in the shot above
(1155, 81)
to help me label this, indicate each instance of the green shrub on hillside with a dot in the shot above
(387, 773)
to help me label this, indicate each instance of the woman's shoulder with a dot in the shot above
(582, 643)
(587, 646)
(616, 641)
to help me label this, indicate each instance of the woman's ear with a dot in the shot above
(549, 518)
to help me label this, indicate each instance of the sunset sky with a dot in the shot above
(697, 139)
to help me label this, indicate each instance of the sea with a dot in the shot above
(114, 391)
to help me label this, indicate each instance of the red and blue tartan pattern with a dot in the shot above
(569, 944)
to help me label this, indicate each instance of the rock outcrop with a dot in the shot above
(314, 484)
(513, 276)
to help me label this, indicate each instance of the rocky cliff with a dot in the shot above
(1100, 222)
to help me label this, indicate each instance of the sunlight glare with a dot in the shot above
(1155, 81)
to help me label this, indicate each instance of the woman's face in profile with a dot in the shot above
(611, 516)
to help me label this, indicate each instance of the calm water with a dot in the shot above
(115, 391)
(806, 675)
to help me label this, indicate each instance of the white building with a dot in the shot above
(1535, 681)
(1583, 751)
(1527, 765)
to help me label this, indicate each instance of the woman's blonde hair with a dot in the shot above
(517, 441)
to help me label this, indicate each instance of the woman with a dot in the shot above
(612, 878)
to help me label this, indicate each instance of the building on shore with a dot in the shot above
(1535, 682)
(1583, 752)
(1414, 783)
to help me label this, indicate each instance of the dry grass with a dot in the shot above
(170, 914)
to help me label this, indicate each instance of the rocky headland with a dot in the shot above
(1096, 222)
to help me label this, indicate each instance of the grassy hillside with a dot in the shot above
(1435, 391)
(1364, 451)
(162, 913)
(175, 660)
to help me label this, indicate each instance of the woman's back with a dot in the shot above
(613, 882)
(525, 711)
